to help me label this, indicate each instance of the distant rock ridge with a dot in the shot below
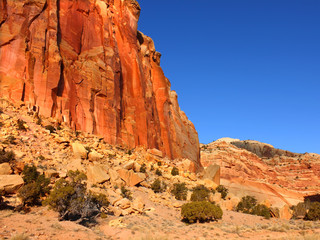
(85, 63)
(251, 167)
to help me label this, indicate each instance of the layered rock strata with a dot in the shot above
(255, 168)
(84, 63)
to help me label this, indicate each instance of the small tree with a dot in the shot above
(157, 186)
(174, 171)
(300, 210)
(200, 193)
(158, 172)
(223, 190)
(36, 187)
(6, 156)
(21, 124)
(71, 199)
(246, 204)
(125, 193)
(314, 212)
(200, 212)
(143, 168)
(261, 210)
(180, 191)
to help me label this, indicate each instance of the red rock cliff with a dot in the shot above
(84, 62)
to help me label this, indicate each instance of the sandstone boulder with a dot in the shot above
(131, 179)
(155, 152)
(79, 151)
(51, 173)
(94, 156)
(129, 165)
(212, 172)
(10, 183)
(74, 165)
(5, 169)
(124, 203)
(285, 212)
(138, 204)
(97, 174)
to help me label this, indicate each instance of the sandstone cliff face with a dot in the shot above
(251, 167)
(85, 63)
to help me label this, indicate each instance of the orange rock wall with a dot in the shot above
(85, 63)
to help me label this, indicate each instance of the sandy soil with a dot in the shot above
(162, 223)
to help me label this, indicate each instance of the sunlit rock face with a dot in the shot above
(84, 63)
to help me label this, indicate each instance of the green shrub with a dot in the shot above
(246, 204)
(30, 174)
(180, 191)
(174, 171)
(261, 210)
(21, 126)
(200, 193)
(71, 199)
(36, 187)
(39, 120)
(223, 190)
(200, 212)
(6, 156)
(158, 172)
(51, 128)
(314, 212)
(143, 168)
(157, 186)
(300, 210)
(125, 193)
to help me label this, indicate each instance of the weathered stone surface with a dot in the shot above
(130, 177)
(94, 156)
(280, 176)
(84, 63)
(79, 151)
(212, 172)
(285, 212)
(124, 203)
(128, 165)
(50, 173)
(138, 204)
(75, 165)
(5, 169)
(97, 174)
(10, 183)
(156, 152)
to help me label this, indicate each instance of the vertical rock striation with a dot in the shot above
(85, 63)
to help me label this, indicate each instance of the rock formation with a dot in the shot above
(84, 63)
(255, 168)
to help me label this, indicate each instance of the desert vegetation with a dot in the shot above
(36, 186)
(72, 200)
(200, 211)
(248, 204)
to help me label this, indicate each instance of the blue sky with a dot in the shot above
(247, 69)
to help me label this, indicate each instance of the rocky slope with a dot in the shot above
(85, 63)
(261, 170)
(148, 215)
